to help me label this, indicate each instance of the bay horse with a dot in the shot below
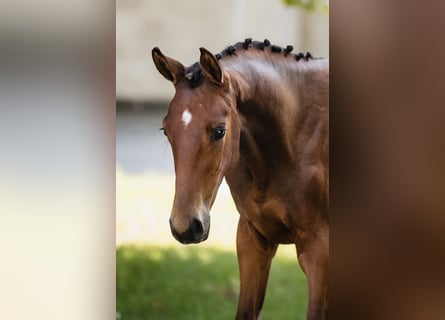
(258, 115)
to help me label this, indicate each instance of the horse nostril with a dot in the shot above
(196, 227)
(193, 234)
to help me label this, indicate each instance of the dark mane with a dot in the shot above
(195, 76)
(262, 45)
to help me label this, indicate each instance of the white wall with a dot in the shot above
(180, 27)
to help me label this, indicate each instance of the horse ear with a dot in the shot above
(171, 69)
(211, 66)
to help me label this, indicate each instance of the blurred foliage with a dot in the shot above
(310, 5)
(192, 283)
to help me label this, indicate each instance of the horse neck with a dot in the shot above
(282, 81)
(271, 102)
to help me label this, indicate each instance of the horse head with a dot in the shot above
(203, 129)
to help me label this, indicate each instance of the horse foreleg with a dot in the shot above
(255, 255)
(313, 255)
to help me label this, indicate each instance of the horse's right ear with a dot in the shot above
(171, 69)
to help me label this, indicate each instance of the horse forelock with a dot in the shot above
(194, 75)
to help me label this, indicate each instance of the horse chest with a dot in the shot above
(268, 214)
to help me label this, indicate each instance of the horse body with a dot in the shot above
(274, 154)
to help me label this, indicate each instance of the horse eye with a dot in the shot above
(219, 133)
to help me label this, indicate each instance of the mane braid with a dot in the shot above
(230, 50)
(308, 56)
(299, 56)
(288, 50)
(275, 48)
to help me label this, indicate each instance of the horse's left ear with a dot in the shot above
(211, 66)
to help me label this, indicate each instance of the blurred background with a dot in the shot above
(158, 278)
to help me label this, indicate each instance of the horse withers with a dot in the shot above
(258, 115)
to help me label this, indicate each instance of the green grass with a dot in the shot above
(192, 283)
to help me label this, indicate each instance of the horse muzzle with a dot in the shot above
(197, 231)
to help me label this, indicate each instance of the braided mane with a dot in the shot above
(195, 75)
(262, 45)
